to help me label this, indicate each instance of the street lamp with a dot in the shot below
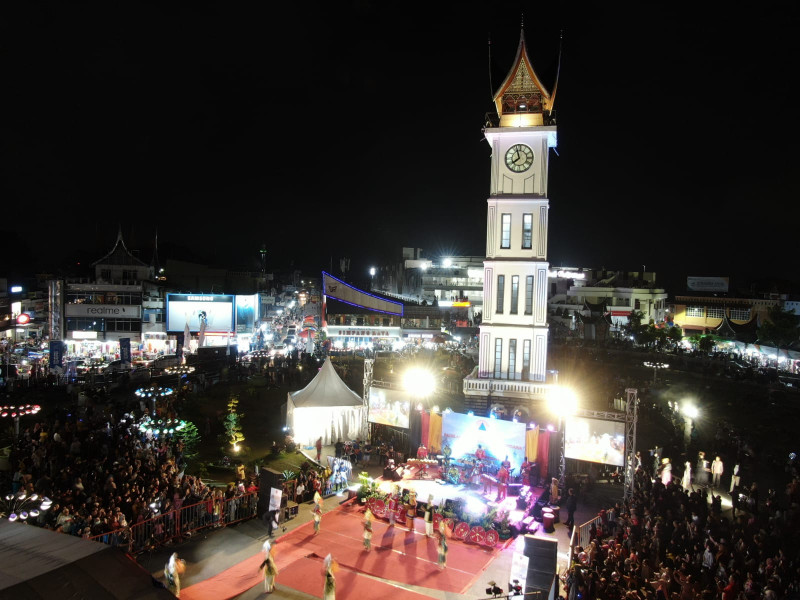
(15, 412)
(656, 366)
(22, 505)
(564, 403)
(372, 277)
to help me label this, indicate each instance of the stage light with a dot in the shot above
(563, 401)
(471, 413)
(435, 409)
(492, 415)
(690, 411)
(550, 427)
(419, 382)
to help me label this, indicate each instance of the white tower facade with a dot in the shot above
(513, 332)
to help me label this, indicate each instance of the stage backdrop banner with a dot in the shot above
(499, 438)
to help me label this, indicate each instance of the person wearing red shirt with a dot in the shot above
(730, 591)
(480, 453)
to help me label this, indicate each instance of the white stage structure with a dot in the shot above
(325, 408)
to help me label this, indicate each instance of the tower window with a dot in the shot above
(529, 295)
(514, 294)
(505, 237)
(498, 357)
(501, 292)
(512, 359)
(527, 231)
(526, 359)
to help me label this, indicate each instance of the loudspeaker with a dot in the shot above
(267, 479)
(514, 489)
(542, 556)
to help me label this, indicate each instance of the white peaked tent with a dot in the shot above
(326, 407)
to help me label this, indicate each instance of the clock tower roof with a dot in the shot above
(522, 100)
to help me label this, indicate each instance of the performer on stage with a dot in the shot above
(475, 473)
(172, 572)
(422, 452)
(442, 547)
(317, 518)
(502, 480)
(368, 530)
(330, 566)
(525, 472)
(269, 568)
(480, 453)
(429, 517)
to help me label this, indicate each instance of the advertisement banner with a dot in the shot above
(216, 311)
(348, 294)
(246, 313)
(275, 498)
(497, 437)
(707, 284)
(125, 350)
(56, 353)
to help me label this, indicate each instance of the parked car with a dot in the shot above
(116, 366)
(165, 361)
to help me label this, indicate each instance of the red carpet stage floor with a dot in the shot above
(399, 555)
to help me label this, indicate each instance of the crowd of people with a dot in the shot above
(105, 474)
(670, 542)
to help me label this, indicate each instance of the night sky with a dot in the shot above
(352, 129)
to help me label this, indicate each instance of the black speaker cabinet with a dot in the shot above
(542, 556)
(267, 479)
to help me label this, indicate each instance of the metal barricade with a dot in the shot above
(178, 524)
(580, 537)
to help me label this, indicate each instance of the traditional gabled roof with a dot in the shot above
(119, 255)
(522, 87)
(741, 332)
(599, 307)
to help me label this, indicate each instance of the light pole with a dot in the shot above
(656, 366)
(371, 277)
(563, 403)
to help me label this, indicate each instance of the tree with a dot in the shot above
(233, 425)
(781, 328)
(675, 335)
(190, 436)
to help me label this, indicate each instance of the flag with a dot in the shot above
(201, 336)
(187, 335)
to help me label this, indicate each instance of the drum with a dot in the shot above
(548, 520)
(554, 508)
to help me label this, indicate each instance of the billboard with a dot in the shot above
(246, 307)
(595, 440)
(707, 284)
(389, 407)
(348, 294)
(499, 438)
(188, 308)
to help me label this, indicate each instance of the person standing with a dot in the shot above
(442, 547)
(701, 470)
(269, 568)
(173, 571)
(330, 580)
(429, 517)
(734, 478)
(368, 530)
(317, 518)
(554, 491)
(686, 481)
(571, 504)
(666, 471)
(716, 471)
(319, 448)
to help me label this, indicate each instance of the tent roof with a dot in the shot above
(326, 389)
(39, 563)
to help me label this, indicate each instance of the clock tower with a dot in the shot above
(513, 333)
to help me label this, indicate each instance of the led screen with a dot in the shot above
(186, 308)
(388, 407)
(498, 438)
(595, 440)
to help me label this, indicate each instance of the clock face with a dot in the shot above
(519, 158)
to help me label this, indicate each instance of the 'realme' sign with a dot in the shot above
(111, 311)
